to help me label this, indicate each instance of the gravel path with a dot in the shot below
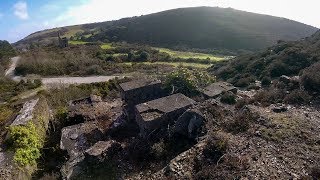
(57, 81)
(49, 82)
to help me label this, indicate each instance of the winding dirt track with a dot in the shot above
(57, 81)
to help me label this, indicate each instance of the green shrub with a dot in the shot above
(182, 81)
(187, 81)
(26, 143)
(311, 78)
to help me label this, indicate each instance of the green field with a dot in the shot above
(106, 46)
(187, 55)
(175, 64)
(77, 42)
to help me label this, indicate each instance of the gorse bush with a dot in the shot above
(187, 81)
(26, 143)
(311, 78)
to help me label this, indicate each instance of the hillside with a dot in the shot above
(200, 27)
(6, 51)
(286, 58)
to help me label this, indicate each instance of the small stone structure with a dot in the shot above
(159, 113)
(216, 89)
(63, 42)
(139, 91)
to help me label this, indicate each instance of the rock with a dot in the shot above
(216, 89)
(279, 108)
(102, 149)
(90, 109)
(291, 82)
(26, 113)
(285, 79)
(189, 123)
(95, 98)
(77, 139)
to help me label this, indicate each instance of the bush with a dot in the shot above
(266, 81)
(5, 113)
(297, 97)
(186, 81)
(270, 96)
(228, 98)
(241, 122)
(244, 82)
(26, 143)
(311, 78)
(217, 145)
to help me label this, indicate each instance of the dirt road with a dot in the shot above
(57, 81)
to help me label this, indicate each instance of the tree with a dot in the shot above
(144, 56)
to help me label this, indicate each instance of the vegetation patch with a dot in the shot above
(228, 98)
(188, 55)
(106, 46)
(78, 42)
(26, 143)
(6, 113)
(187, 81)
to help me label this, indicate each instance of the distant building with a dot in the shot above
(63, 42)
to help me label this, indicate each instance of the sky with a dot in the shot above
(19, 18)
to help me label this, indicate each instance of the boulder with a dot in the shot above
(279, 108)
(78, 138)
(101, 150)
(189, 123)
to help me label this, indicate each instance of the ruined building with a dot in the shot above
(63, 42)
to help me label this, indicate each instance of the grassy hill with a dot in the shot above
(286, 58)
(200, 27)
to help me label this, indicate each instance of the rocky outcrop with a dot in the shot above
(26, 113)
(91, 108)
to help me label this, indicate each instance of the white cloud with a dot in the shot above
(21, 10)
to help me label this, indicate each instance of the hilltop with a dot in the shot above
(200, 27)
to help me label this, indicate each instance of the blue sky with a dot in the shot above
(19, 18)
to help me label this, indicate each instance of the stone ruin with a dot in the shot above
(139, 91)
(161, 112)
(63, 42)
(144, 103)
